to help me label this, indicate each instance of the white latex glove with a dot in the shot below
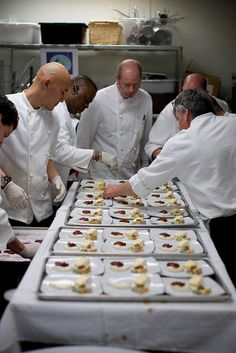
(30, 250)
(109, 160)
(16, 196)
(58, 189)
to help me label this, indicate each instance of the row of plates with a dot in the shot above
(60, 285)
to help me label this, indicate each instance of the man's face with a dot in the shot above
(5, 131)
(128, 84)
(78, 102)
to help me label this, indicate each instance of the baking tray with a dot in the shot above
(162, 294)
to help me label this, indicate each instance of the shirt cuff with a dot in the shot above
(138, 187)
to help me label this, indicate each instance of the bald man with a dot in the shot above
(166, 124)
(118, 122)
(27, 156)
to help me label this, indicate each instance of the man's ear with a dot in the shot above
(187, 117)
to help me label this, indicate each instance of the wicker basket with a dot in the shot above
(104, 32)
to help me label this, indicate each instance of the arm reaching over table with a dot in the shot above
(123, 189)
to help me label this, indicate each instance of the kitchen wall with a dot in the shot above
(207, 32)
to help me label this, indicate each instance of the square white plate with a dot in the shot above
(125, 213)
(61, 246)
(69, 234)
(51, 284)
(171, 247)
(180, 271)
(120, 233)
(167, 212)
(93, 203)
(122, 286)
(125, 265)
(65, 265)
(109, 247)
(170, 221)
(170, 233)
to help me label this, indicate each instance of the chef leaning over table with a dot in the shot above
(202, 156)
(68, 155)
(28, 154)
(8, 123)
(118, 122)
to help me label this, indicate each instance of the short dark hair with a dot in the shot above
(9, 112)
(82, 78)
(197, 101)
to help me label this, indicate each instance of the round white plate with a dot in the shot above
(96, 265)
(208, 282)
(169, 234)
(121, 286)
(151, 265)
(51, 283)
(120, 233)
(206, 269)
(109, 247)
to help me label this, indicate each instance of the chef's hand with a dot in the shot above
(30, 250)
(16, 196)
(58, 189)
(109, 160)
(110, 191)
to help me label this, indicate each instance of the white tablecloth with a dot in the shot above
(182, 327)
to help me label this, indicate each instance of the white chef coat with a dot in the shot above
(6, 232)
(166, 126)
(118, 126)
(203, 158)
(24, 156)
(68, 156)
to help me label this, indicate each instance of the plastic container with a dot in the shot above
(63, 33)
(19, 33)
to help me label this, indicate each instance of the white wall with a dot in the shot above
(207, 33)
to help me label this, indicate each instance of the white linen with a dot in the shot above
(207, 171)
(117, 126)
(24, 156)
(68, 155)
(166, 126)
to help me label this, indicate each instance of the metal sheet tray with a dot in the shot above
(161, 296)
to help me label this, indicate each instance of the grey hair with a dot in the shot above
(196, 101)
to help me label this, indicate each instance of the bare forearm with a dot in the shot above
(114, 190)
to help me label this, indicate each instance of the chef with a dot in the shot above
(118, 122)
(68, 155)
(8, 123)
(28, 154)
(202, 156)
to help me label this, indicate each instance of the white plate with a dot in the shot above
(170, 221)
(170, 186)
(109, 247)
(170, 234)
(208, 282)
(93, 195)
(120, 233)
(151, 265)
(159, 200)
(129, 222)
(93, 203)
(50, 281)
(53, 265)
(129, 202)
(123, 213)
(173, 249)
(61, 247)
(167, 212)
(67, 234)
(84, 212)
(121, 286)
(165, 270)
(81, 219)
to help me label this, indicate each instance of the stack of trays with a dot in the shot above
(129, 248)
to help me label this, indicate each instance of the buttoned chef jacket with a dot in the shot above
(203, 158)
(118, 126)
(6, 232)
(166, 126)
(24, 156)
(68, 156)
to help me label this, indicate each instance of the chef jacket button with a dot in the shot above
(31, 175)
